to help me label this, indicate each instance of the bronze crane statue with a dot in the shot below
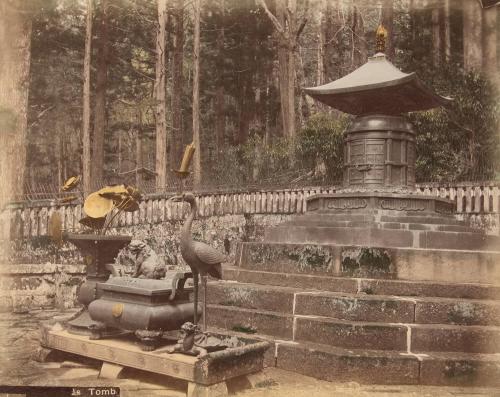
(201, 258)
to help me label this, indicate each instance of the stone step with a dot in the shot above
(382, 216)
(362, 285)
(422, 219)
(373, 366)
(376, 308)
(251, 296)
(455, 338)
(451, 266)
(414, 338)
(381, 237)
(354, 306)
(305, 222)
(349, 334)
(250, 321)
(385, 367)
(395, 336)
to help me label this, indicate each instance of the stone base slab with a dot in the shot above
(367, 286)
(333, 260)
(415, 203)
(214, 368)
(389, 368)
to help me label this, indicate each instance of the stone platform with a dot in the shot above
(205, 375)
(376, 315)
(376, 219)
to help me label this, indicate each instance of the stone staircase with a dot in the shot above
(371, 315)
(383, 229)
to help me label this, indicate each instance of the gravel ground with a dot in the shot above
(19, 338)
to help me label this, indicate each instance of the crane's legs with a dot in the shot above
(195, 282)
(204, 278)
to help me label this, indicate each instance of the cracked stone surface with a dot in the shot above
(19, 338)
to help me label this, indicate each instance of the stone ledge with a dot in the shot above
(41, 268)
(33, 286)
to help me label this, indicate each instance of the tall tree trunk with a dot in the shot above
(160, 96)
(290, 71)
(490, 25)
(332, 26)
(472, 33)
(120, 144)
(86, 160)
(388, 22)
(220, 115)
(304, 110)
(359, 39)
(15, 50)
(100, 96)
(246, 110)
(196, 95)
(139, 157)
(437, 45)
(447, 31)
(177, 84)
(320, 49)
(59, 151)
(285, 25)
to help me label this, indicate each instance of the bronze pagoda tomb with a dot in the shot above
(378, 205)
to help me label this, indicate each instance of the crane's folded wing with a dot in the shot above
(207, 254)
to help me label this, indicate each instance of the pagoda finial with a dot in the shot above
(381, 37)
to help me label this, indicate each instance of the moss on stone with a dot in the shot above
(244, 329)
(463, 313)
(465, 370)
(365, 261)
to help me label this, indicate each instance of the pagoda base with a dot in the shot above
(381, 219)
(379, 200)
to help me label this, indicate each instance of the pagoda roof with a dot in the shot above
(377, 87)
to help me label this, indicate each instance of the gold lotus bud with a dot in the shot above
(186, 161)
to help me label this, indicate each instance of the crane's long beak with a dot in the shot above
(176, 198)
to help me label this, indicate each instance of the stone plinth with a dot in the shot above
(201, 372)
(381, 219)
(412, 203)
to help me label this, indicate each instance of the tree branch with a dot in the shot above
(301, 28)
(40, 115)
(271, 16)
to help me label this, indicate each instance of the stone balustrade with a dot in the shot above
(477, 201)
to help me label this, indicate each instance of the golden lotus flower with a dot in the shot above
(97, 206)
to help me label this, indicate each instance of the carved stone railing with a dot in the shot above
(31, 219)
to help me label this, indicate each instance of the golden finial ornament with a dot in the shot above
(381, 38)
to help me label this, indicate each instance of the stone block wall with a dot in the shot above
(34, 286)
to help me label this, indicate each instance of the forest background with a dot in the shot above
(114, 89)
